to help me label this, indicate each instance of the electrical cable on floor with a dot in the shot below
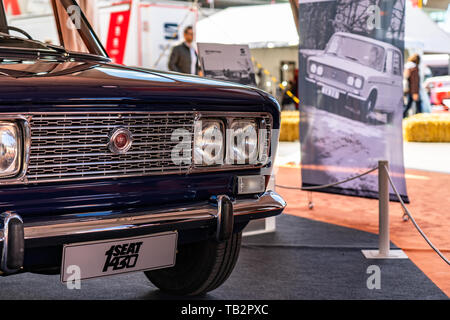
(305, 246)
(308, 246)
(328, 185)
(414, 221)
(405, 209)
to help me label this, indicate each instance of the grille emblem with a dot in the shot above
(120, 140)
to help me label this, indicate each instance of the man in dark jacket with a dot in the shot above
(184, 57)
(412, 76)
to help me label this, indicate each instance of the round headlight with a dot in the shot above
(9, 150)
(243, 142)
(208, 143)
(320, 70)
(313, 68)
(350, 81)
(358, 83)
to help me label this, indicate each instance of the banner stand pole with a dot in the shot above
(383, 251)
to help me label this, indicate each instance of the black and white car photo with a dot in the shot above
(357, 73)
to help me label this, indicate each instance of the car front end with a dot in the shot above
(336, 86)
(336, 83)
(107, 169)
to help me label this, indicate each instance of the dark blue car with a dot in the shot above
(106, 169)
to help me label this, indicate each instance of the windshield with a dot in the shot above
(362, 52)
(47, 24)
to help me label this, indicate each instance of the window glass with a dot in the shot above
(35, 17)
(54, 22)
(388, 67)
(358, 50)
(397, 64)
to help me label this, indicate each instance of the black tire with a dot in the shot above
(200, 267)
(390, 117)
(367, 107)
(324, 103)
(320, 101)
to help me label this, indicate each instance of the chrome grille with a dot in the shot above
(76, 145)
(335, 74)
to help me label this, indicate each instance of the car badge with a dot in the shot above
(120, 140)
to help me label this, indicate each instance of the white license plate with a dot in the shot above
(109, 257)
(331, 92)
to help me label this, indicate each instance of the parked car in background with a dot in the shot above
(106, 169)
(436, 65)
(359, 74)
(439, 90)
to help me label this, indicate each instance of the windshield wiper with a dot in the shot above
(38, 45)
(352, 58)
(24, 43)
(59, 49)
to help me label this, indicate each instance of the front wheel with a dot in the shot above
(390, 117)
(200, 267)
(367, 107)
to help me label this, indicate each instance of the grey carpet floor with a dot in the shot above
(304, 259)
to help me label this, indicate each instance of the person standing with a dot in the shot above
(412, 78)
(184, 57)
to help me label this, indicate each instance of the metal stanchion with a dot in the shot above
(384, 180)
(384, 251)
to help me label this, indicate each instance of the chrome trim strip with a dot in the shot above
(95, 145)
(354, 96)
(82, 115)
(99, 163)
(219, 213)
(57, 227)
(111, 126)
(70, 137)
(120, 113)
(107, 175)
(104, 136)
(84, 155)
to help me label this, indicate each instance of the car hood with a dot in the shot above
(344, 64)
(93, 82)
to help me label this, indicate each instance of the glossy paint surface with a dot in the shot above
(87, 85)
(81, 82)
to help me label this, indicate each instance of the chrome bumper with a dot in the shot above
(270, 203)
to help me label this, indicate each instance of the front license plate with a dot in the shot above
(331, 92)
(109, 257)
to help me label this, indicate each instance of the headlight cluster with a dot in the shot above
(10, 149)
(209, 142)
(239, 144)
(243, 146)
(354, 81)
(316, 69)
